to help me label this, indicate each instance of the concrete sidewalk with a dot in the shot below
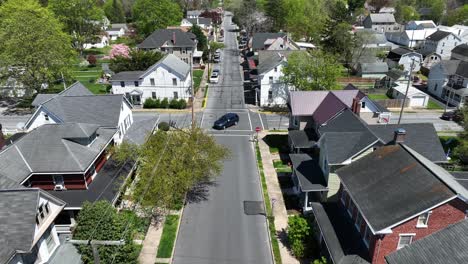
(276, 197)
(151, 242)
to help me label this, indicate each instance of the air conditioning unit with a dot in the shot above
(59, 187)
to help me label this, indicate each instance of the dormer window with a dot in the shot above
(46, 116)
(42, 213)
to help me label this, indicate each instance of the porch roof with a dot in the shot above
(303, 139)
(105, 186)
(309, 173)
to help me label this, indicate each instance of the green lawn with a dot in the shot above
(433, 105)
(168, 236)
(281, 167)
(197, 78)
(378, 96)
(277, 143)
(88, 76)
(139, 224)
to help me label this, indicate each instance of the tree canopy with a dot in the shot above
(100, 221)
(82, 19)
(150, 15)
(275, 11)
(305, 18)
(317, 71)
(405, 13)
(173, 163)
(136, 60)
(202, 41)
(458, 16)
(34, 50)
(114, 11)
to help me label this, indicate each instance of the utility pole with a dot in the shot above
(63, 80)
(95, 243)
(407, 88)
(191, 88)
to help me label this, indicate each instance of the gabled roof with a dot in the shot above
(401, 51)
(438, 35)
(258, 39)
(18, 220)
(374, 67)
(54, 148)
(422, 137)
(328, 108)
(161, 37)
(42, 98)
(461, 49)
(268, 59)
(200, 21)
(308, 173)
(395, 74)
(171, 61)
(76, 89)
(445, 246)
(382, 18)
(392, 176)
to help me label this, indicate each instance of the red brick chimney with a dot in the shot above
(173, 38)
(399, 136)
(356, 106)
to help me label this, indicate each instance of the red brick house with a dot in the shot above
(395, 196)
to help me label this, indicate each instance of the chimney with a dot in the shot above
(173, 38)
(356, 106)
(399, 136)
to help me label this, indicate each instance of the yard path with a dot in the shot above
(276, 196)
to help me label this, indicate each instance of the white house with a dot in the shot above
(169, 78)
(416, 97)
(382, 22)
(410, 38)
(202, 22)
(273, 90)
(117, 31)
(101, 42)
(27, 225)
(194, 13)
(449, 80)
(405, 57)
(77, 104)
(420, 24)
(442, 43)
(431, 59)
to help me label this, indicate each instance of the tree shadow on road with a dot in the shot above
(200, 192)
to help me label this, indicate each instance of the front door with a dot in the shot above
(136, 99)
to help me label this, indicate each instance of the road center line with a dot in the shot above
(250, 121)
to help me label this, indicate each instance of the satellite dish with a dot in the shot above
(20, 125)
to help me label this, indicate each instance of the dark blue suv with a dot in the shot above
(226, 121)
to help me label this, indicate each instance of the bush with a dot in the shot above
(149, 103)
(182, 104)
(298, 233)
(164, 126)
(174, 104)
(164, 103)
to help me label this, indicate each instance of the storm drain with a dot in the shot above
(254, 208)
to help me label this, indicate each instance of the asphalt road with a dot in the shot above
(214, 227)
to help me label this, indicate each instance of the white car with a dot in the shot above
(214, 78)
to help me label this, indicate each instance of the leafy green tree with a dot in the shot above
(405, 13)
(317, 71)
(114, 11)
(305, 18)
(100, 221)
(202, 41)
(150, 15)
(355, 4)
(378, 4)
(173, 163)
(34, 50)
(338, 40)
(437, 9)
(274, 9)
(458, 16)
(82, 19)
(321, 260)
(137, 60)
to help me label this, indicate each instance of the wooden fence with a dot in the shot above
(392, 103)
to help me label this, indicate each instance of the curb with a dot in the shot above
(181, 214)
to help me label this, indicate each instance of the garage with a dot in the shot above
(418, 101)
(416, 97)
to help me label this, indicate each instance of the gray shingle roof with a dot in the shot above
(18, 220)
(200, 21)
(392, 176)
(448, 245)
(304, 139)
(308, 172)
(53, 148)
(268, 59)
(258, 39)
(161, 36)
(422, 137)
(461, 49)
(127, 76)
(139, 130)
(382, 18)
(438, 35)
(41, 98)
(452, 67)
(75, 89)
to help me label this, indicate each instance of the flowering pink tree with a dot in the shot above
(119, 50)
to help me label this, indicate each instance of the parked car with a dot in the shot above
(227, 120)
(217, 58)
(221, 39)
(216, 71)
(455, 115)
(214, 78)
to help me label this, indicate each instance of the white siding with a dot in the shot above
(125, 121)
(280, 91)
(40, 118)
(436, 80)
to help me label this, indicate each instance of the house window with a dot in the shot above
(50, 242)
(174, 81)
(443, 44)
(46, 116)
(152, 82)
(423, 220)
(351, 208)
(358, 221)
(276, 69)
(122, 84)
(176, 95)
(42, 213)
(127, 95)
(405, 240)
(136, 84)
(367, 236)
(271, 79)
(435, 87)
(270, 94)
(363, 104)
(153, 95)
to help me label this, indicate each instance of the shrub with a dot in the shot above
(182, 104)
(164, 126)
(92, 60)
(157, 103)
(321, 260)
(174, 103)
(164, 103)
(149, 103)
(91, 80)
(298, 233)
